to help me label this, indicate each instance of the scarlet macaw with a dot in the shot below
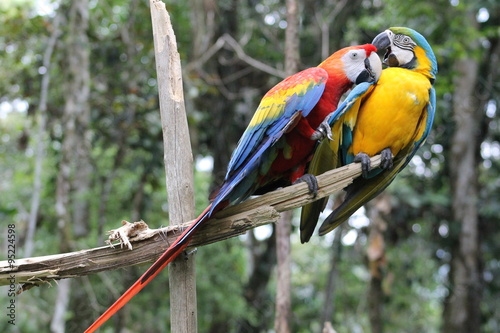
(392, 117)
(277, 144)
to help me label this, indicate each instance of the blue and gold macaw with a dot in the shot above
(392, 117)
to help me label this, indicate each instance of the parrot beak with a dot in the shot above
(384, 41)
(373, 68)
(367, 74)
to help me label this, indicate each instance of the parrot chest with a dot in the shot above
(390, 117)
(294, 150)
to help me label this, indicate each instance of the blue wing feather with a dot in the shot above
(277, 118)
(286, 109)
(350, 100)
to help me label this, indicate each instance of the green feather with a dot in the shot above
(324, 159)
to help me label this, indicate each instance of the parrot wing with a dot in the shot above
(326, 156)
(278, 112)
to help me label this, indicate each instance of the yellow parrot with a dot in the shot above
(392, 117)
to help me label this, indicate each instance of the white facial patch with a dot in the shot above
(402, 47)
(404, 56)
(354, 63)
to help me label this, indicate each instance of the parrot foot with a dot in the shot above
(323, 131)
(364, 159)
(386, 162)
(312, 183)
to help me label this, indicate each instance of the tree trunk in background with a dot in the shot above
(220, 128)
(57, 325)
(203, 25)
(284, 227)
(331, 16)
(292, 41)
(78, 109)
(379, 207)
(74, 166)
(262, 261)
(226, 115)
(128, 36)
(225, 132)
(41, 137)
(325, 20)
(329, 303)
(462, 306)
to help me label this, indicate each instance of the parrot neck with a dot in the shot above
(426, 64)
(336, 86)
(338, 82)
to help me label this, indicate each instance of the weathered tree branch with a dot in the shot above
(230, 222)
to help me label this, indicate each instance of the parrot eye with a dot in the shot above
(354, 55)
(404, 42)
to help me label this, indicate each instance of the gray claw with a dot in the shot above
(386, 161)
(323, 131)
(365, 161)
(312, 183)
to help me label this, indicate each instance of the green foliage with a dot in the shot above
(225, 273)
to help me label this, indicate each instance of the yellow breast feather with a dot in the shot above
(390, 116)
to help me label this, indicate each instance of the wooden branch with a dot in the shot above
(230, 222)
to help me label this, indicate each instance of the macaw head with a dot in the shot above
(355, 63)
(408, 49)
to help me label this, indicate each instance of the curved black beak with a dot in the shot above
(367, 75)
(383, 42)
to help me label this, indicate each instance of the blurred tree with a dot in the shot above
(74, 169)
(377, 263)
(461, 310)
(473, 92)
(284, 225)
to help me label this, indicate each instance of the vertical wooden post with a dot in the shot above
(178, 165)
(284, 281)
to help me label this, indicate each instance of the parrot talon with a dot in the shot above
(387, 158)
(323, 131)
(365, 161)
(312, 183)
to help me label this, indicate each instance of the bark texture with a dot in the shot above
(461, 310)
(178, 165)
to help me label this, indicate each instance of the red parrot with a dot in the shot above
(277, 144)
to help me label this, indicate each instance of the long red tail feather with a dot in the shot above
(168, 256)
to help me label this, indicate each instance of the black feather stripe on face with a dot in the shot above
(404, 42)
